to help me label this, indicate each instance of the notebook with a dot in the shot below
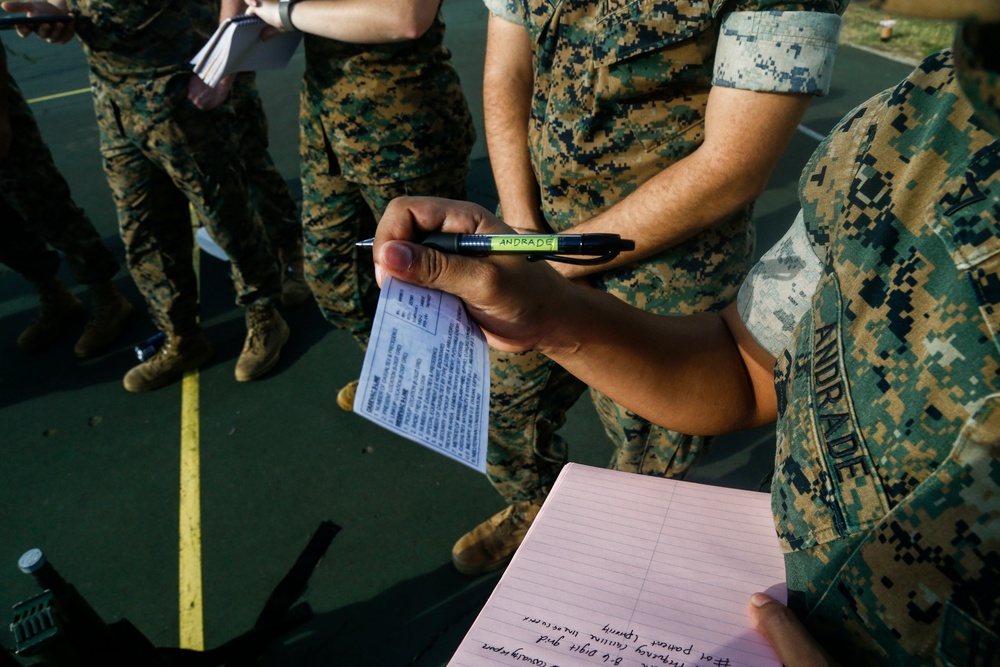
(629, 570)
(236, 46)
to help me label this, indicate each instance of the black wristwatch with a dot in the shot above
(284, 13)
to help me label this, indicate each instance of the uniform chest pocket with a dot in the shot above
(966, 218)
(631, 28)
(652, 63)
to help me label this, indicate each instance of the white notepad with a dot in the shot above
(236, 47)
(426, 374)
(630, 570)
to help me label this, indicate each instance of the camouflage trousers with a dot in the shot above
(273, 204)
(530, 394)
(37, 211)
(336, 213)
(160, 152)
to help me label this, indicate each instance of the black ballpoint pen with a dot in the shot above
(599, 247)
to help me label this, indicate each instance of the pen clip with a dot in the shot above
(601, 259)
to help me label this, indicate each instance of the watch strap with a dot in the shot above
(284, 13)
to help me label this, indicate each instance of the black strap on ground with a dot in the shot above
(276, 618)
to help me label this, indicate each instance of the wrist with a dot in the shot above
(285, 14)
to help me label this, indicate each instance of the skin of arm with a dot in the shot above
(54, 33)
(507, 85)
(701, 374)
(354, 21)
(746, 133)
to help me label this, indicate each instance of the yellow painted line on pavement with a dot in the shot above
(68, 93)
(191, 601)
(192, 635)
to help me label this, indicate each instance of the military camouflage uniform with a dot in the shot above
(275, 208)
(160, 152)
(619, 95)
(37, 210)
(881, 308)
(377, 122)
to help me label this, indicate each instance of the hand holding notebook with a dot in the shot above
(633, 571)
(237, 47)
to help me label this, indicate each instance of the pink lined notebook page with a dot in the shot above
(633, 571)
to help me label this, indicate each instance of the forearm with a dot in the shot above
(703, 374)
(690, 374)
(356, 21)
(745, 134)
(507, 85)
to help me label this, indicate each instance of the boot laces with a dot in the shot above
(256, 330)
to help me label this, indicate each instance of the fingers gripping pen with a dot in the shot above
(567, 248)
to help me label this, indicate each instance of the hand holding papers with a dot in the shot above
(629, 570)
(426, 373)
(237, 47)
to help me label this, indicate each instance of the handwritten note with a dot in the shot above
(426, 373)
(628, 570)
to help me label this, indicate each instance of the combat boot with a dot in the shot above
(59, 308)
(492, 544)
(266, 335)
(177, 356)
(345, 397)
(109, 312)
(294, 289)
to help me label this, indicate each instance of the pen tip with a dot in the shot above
(367, 243)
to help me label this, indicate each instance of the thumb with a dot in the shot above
(472, 279)
(396, 258)
(786, 634)
(414, 264)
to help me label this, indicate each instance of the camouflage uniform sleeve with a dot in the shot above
(777, 51)
(779, 289)
(505, 9)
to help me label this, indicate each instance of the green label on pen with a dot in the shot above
(524, 243)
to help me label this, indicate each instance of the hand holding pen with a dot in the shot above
(599, 248)
(509, 298)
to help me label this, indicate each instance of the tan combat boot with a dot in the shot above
(177, 356)
(59, 308)
(267, 333)
(345, 397)
(109, 312)
(294, 289)
(491, 544)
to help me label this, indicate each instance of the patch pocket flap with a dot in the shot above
(966, 218)
(965, 642)
(967, 214)
(626, 30)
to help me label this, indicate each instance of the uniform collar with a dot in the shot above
(976, 62)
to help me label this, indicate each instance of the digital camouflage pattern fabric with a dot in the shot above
(620, 90)
(888, 462)
(160, 152)
(376, 122)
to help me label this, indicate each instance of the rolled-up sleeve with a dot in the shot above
(777, 51)
(778, 291)
(505, 9)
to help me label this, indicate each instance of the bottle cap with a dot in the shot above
(31, 560)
